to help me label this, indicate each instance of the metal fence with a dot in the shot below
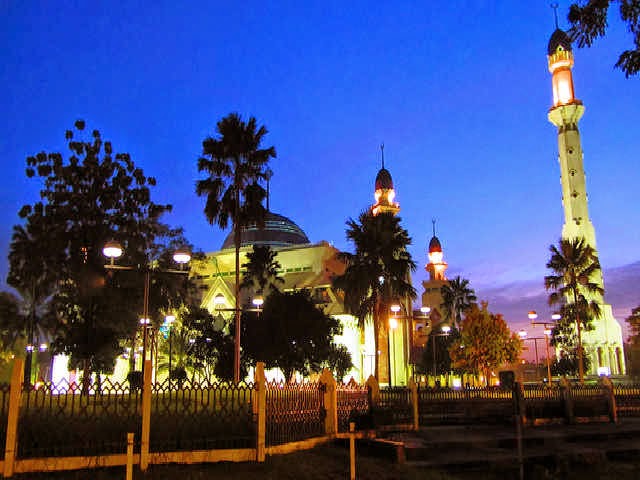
(542, 401)
(353, 404)
(201, 416)
(627, 400)
(471, 405)
(589, 400)
(394, 407)
(294, 412)
(4, 412)
(57, 420)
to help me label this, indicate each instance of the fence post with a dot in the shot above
(565, 391)
(607, 387)
(260, 409)
(146, 416)
(330, 402)
(17, 375)
(414, 403)
(129, 472)
(374, 391)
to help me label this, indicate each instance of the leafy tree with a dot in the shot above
(574, 264)
(339, 361)
(12, 323)
(457, 298)
(291, 333)
(485, 343)
(378, 273)
(261, 274)
(632, 348)
(234, 163)
(92, 196)
(568, 363)
(589, 21)
(442, 343)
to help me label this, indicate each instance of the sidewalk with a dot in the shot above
(470, 447)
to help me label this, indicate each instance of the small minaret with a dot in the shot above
(432, 295)
(384, 192)
(604, 343)
(436, 266)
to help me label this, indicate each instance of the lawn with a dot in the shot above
(332, 462)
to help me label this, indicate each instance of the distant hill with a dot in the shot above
(622, 291)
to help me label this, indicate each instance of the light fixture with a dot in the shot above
(169, 319)
(145, 321)
(112, 250)
(555, 317)
(532, 315)
(445, 329)
(258, 301)
(395, 308)
(425, 310)
(522, 334)
(547, 332)
(219, 300)
(181, 256)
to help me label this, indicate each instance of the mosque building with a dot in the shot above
(603, 345)
(304, 265)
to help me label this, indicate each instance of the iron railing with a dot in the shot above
(353, 404)
(394, 407)
(61, 420)
(627, 400)
(294, 412)
(201, 416)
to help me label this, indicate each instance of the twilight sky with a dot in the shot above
(458, 94)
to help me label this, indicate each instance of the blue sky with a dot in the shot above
(457, 91)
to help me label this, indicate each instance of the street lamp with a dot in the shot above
(445, 329)
(548, 331)
(112, 250)
(393, 324)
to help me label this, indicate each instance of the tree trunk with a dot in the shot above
(376, 332)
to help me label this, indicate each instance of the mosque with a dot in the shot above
(311, 265)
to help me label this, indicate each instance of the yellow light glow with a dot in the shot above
(532, 315)
(395, 308)
(391, 194)
(181, 256)
(112, 249)
(435, 257)
(393, 323)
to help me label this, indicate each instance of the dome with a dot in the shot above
(434, 245)
(278, 231)
(559, 38)
(383, 180)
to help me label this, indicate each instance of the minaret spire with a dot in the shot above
(555, 13)
(384, 192)
(603, 344)
(382, 152)
(433, 224)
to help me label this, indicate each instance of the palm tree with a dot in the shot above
(235, 164)
(31, 278)
(456, 298)
(574, 264)
(261, 273)
(377, 274)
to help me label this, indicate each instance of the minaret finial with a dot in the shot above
(555, 13)
(382, 152)
(433, 223)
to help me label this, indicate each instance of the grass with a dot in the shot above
(332, 462)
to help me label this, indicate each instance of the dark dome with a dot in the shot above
(278, 231)
(383, 180)
(434, 245)
(559, 37)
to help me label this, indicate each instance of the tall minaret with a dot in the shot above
(384, 192)
(604, 343)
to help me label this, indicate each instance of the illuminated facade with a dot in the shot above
(603, 344)
(303, 266)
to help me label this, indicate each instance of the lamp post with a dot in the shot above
(445, 329)
(113, 250)
(169, 320)
(548, 331)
